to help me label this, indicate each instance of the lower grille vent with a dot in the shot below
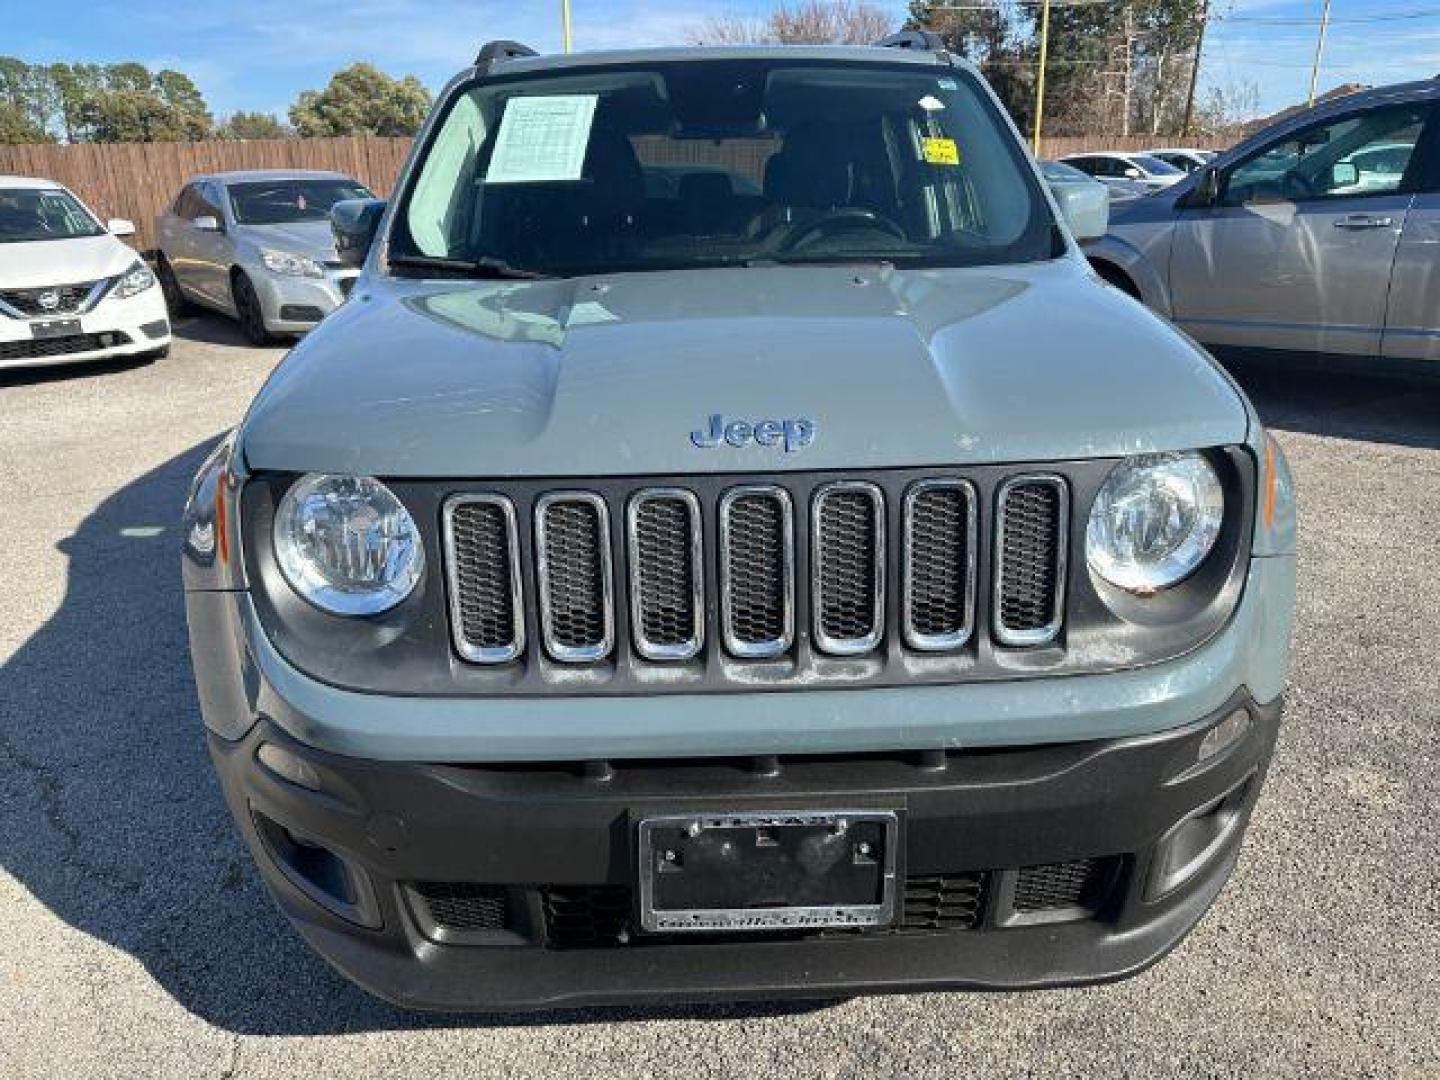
(586, 916)
(463, 907)
(944, 902)
(1057, 886)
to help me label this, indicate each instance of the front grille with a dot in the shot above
(849, 567)
(639, 594)
(944, 902)
(460, 907)
(576, 579)
(484, 570)
(1057, 886)
(69, 299)
(667, 592)
(586, 916)
(41, 348)
(757, 566)
(1030, 575)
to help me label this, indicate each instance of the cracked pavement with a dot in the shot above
(137, 942)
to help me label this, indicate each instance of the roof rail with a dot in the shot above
(918, 40)
(496, 52)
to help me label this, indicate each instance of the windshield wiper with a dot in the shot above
(486, 266)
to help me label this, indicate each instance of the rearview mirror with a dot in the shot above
(119, 226)
(1085, 208)
(1344, 174)
(355, 223)
(206, 223)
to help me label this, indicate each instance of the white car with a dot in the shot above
(1105, 165)
(1183, 158)
(69, 289)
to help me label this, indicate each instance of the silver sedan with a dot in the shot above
(256, 246)
(1315, 237)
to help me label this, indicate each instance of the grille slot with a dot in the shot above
(944, 902)
(577, 616)
(940, 547)
(757, 571)
(40, 348)
(1058, 886)
(1033, 524)
(586, 916)
(666, 586)
(848, 534)
(460, 907)
(484, 571)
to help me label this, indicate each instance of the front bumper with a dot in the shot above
(292, 304)
(539, 850)
(113, 330)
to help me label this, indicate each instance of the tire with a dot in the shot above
(247, 309)
(175, 301)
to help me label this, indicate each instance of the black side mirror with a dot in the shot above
(355, 223)
(1206, 191)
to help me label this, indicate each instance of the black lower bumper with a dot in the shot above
(512, 887)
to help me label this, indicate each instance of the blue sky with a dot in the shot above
(259, 54)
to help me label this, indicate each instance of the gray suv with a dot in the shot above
(1313, 238)
(256, 246)
(801, 576)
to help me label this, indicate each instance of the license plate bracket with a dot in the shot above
(54, 328)
(767, 871)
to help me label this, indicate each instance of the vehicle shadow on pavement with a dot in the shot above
(1370, 407)
(111, 817)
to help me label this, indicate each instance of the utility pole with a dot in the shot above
(1040, 75)
(1319, 48)
(1195, 70)
(565, 23)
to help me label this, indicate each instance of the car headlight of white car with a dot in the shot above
(290, 264)
(134, 281)
(1154, 520)
(347, 544)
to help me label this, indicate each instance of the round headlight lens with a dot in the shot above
(1155, 519)
(347, 545)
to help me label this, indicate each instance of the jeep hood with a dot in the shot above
(609, 375)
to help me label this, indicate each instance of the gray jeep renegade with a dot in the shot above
(731, 544)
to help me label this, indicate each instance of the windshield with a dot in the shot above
(723, 162)
(279, 202)
(43, 214)
(1155, 167)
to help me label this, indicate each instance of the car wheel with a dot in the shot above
(247, 307)
(175, 301)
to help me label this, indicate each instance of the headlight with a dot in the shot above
(134, 281)
(1155, 519)
(347, 545)
(290, 264)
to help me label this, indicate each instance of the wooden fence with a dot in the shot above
(138, 180)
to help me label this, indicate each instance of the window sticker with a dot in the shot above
(542, 139)
(930, 103)
(947, 84)
(940, 151)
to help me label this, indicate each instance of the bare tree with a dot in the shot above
(804, 22)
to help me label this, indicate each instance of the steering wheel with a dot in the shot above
(834, 221)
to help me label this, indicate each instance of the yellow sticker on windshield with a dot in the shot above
(940, 151)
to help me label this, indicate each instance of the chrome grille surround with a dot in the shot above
(469, 645)
(562, 584)
(652, 558)
(835, 599)
(964, 565)
(1018, 573)
(74, 299)
(737, 545)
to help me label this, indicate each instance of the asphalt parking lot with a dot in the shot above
(136, 940)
